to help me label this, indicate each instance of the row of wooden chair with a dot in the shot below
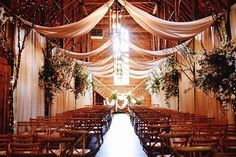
(164, 131)
(76, 132)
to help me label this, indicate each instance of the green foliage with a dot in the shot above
(82, 82)
(170, 79)
(129, 97)
(167, 79)
(138, 101)
(218, 72)
(54, 75)
(57, 73)
(114, 95)
(154, 83)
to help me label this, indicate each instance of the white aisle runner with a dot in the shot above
(120, 140)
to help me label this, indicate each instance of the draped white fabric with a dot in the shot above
(98, 63)
(167, 29)
(120, 103)
(136, 66)
(63, 101)
(104, 76)
(101, 68)
(74, 29)
(85, 55)
(28, 95)
(103, 72)
(233, 22)
(160, 53)
(150, 63)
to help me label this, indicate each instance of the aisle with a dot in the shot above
(120, 140)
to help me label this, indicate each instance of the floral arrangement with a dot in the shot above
(82, 82)
(154, 83)
(129, 97)
(114, 95)
(138, 101)
(218, 72)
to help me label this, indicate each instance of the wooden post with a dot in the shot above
(195, 17)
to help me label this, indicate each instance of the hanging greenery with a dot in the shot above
(82, 82)
(170, 78)
(55, 74)
(218, 68)
(218, 72)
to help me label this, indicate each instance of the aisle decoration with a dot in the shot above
(114, 95)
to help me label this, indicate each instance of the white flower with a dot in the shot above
(234, 54)
(214, 74)
(232, 96)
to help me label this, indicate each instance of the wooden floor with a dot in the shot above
(120, 140)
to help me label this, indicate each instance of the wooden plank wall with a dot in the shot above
(5, 73)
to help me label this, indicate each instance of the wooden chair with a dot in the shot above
(78, 147)
(23, 127)
(228, 145)
(224, 154)
(25, 148)
(172, 141)
(56, 145)
(195, 151)
(4, 144)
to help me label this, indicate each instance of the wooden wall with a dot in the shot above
(5, 73)
(194, 100)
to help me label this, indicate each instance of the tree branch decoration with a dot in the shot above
(188, 63)
(218, 72)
